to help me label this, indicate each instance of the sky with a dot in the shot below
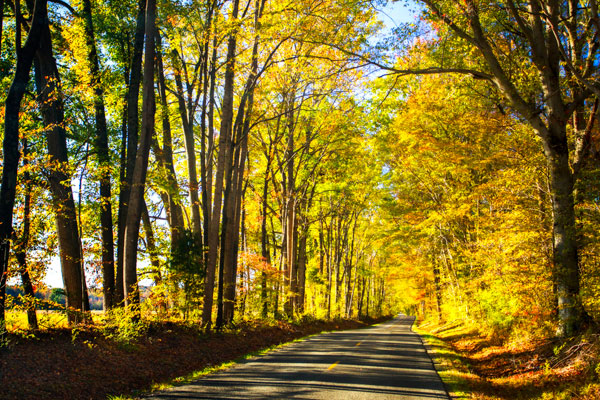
(397, 12)
(393, 14)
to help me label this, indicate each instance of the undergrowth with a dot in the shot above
(478, 366)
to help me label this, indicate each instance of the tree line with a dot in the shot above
(244, 151)
(209, 138)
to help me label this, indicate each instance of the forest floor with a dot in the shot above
(88, 363)
(474, 366)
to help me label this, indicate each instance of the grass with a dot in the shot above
(16, 321)
(451, 366)
(474, 366)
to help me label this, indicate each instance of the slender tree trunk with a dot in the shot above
(301, 273)
(165, 155)
(290, 216)
(187, 123)
(437, 287)
(151, 245)
(10, 144)
(106, 222)
(361, 290)
(136, 199)
(133, 93)
(22, 243)
(239, 166)
(2, 22)
(207, 170)
(264, 240)
(118, 294)
(222, 170)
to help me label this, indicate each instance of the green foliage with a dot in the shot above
(58, 295)
(124, 326)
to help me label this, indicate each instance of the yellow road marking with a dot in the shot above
(332, 366)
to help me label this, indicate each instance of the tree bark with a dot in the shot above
(187, 122)
(300, 300)
(165, 155)
(437, 287)
(136, 199)
(151, 245)
(51, 106)
(133, 93)
(102, 151)
(290, 280)
(22, 243)
(225, 132)
(10, 144)
(566, 260)
(264, 239)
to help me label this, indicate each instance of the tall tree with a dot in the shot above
(532, 33)
(103, 154)
(10, 144)
(132, 105)
(225, 133)
(51, 105)
(138, 183)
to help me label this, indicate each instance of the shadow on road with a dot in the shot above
(386, 362)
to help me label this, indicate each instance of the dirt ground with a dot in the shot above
(87, 365)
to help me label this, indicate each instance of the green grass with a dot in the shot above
(453, 370)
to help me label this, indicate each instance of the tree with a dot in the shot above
(136, 197)
(25, 56)
(102, 150)
(51, 105)
(532, 33)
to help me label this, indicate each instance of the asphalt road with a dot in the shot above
(387, 361)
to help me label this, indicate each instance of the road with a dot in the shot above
(386, 361)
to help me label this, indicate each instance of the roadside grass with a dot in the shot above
(474, 366)
(451, 366)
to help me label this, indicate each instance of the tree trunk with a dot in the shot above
(133, 93)
(300, 299)
(106, 222)
(566, 261)
(207, 153)
(437, 288)
(165, 155)
(187, 122)
(22, 243)
(242, 127)
(51, 107)
(10, 144)
(151, 245)
(136, 199)
(222, 170)
(290, 281)
(118, 294)
(264, 239)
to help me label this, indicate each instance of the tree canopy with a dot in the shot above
(246, 159)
